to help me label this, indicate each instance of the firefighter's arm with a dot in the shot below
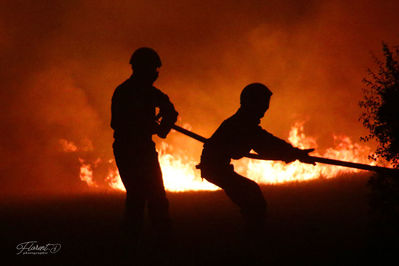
(274, 148)
(303, 155)
(167, 115)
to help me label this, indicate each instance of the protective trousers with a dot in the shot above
(243, 192)
(141, 175)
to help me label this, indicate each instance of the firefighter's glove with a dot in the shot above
(163, 132)
(303, 156)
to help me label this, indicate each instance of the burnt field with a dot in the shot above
(321, 222)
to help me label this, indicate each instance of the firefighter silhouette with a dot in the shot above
(133, 120)
(235, 138)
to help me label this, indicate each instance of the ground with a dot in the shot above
(321, 222)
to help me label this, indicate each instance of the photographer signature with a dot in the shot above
(33, 248)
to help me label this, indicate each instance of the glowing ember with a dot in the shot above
(179, 172)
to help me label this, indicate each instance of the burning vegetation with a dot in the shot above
(180, 174)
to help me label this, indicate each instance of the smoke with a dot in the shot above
(61, 61)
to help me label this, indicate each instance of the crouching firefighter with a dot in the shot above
(235, 138)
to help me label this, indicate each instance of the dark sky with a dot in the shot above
(61, 61)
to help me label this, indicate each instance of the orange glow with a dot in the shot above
(86, 173)
(180, 174)
(273, 172)
(68, 146)
(64, 61)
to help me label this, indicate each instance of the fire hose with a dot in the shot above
(315, 159)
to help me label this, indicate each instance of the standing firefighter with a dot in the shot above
(133, 119)
(235, 138)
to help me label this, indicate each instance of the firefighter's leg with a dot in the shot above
(135, 194)
(132, 225)
(248, 196)
(158, 205)
(134, 212)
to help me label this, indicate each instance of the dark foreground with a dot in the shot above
(323, 222)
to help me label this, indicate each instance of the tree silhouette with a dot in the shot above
(380, 115)
(381, 106)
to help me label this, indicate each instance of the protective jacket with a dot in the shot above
(133, 112)
(236, 137)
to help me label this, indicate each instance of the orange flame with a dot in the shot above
(179, 172)
(272, 172)
(86, 173)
